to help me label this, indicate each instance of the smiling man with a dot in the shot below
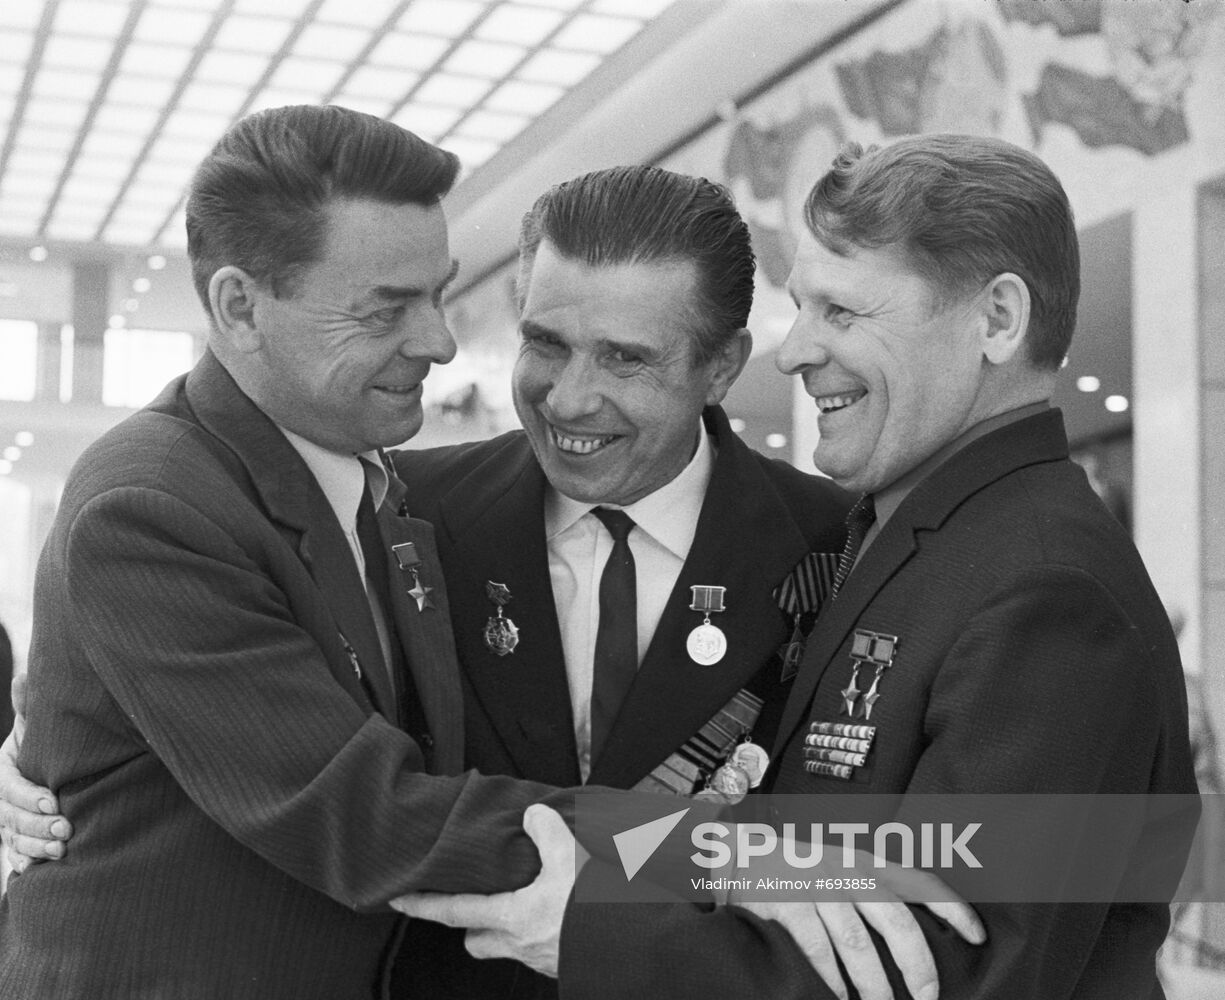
(222, 658)
(635, 285)
(1028, 652)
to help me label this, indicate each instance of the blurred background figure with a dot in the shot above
(6, 679)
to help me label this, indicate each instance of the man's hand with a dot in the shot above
(526, 924)
(29, 825)
(833, 928)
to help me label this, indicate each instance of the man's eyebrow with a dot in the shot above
(400, 292)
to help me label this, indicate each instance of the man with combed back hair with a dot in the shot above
(217, 680)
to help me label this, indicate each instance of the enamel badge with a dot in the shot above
(501, 634)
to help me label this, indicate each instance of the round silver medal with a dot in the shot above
(706, 644)
(730, 781)
(753, 760)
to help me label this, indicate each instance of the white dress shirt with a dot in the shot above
(343, 477)
(579, 546)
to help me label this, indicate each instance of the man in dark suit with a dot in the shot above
(635, 288)
(221, 652)
(996, 631)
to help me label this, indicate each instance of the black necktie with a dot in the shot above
(379, 576)
(616, 638)
(858, 520)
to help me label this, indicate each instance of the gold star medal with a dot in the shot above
(409, 562)
(706, 643)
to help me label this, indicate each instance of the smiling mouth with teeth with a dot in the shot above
(579, 445)
(832, 404)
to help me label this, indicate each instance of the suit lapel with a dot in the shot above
(296, 504)
(1035, 439)
(747, 541)
(494, 521)
(425, 635)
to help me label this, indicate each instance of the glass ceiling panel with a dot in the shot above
(428, 122)
(45, 137)
(452, 91)
(171, 25)
(291, 9)
(524, 98)
(490, 59)
(10, 78)
(408, 51)
(92, 164)
(478, 73)
(313, 76)
(593, 33)
(642, 9)
(331, 41)
(21, 13)
(263, 35)
(140, 91)
(80, 53)
(520, 24)
(449, 18)
(490, 125)
(241, 69)
(20, 179)
(56, 111)
(159, 61)
(90, 18)
(78, 85)
(562, 68)
(369, 13)
(216, 97)
(377, 81)
(109, 145)
(90, 190)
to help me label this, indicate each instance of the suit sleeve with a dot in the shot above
(203, 655)
(1049, 688)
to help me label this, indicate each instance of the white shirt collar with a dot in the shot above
(341, 477)
(669, 515)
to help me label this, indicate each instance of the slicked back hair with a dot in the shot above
(963, 209)
(644, 215)
(258, 201)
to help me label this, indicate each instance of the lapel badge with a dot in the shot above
(706, 643)
(501, 634)
(409, 562)
(868, 649)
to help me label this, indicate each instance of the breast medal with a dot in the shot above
(409, 562)
(501, 634)
(752, 759)
(706, 643)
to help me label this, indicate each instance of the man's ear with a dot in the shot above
(728, 364)
(1005, 306)
(232, 295)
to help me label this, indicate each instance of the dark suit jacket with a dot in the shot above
(239, 803)
(759, 518)
(1033, 657)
